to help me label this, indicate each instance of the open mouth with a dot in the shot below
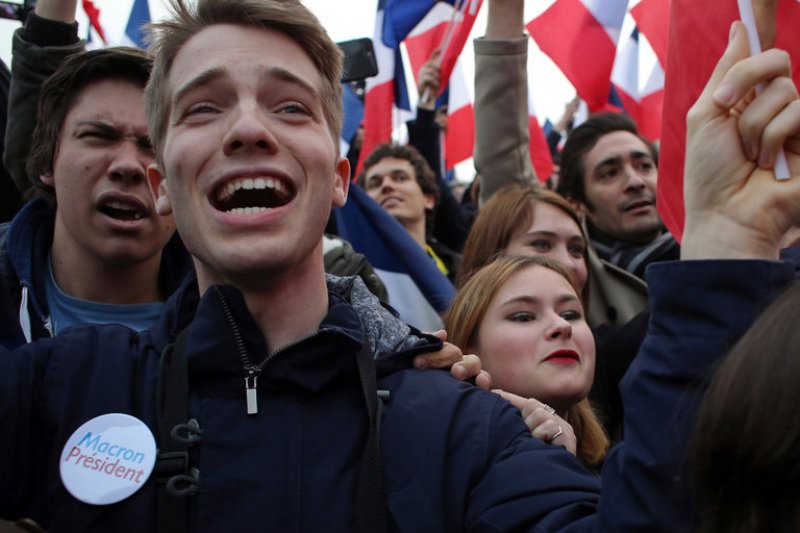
(250, 196)
(121, 210)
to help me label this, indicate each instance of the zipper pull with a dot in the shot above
(252, 396)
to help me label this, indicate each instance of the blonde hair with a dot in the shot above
(287, 16)
(463, 319)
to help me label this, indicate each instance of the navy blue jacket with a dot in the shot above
(24, 246)
(454, 457)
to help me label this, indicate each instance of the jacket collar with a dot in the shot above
(220, 323)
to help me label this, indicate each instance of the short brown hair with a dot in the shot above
(423, 173)
(61, 90)
(289, 17)
(580, 141)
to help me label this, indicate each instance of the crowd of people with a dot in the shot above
(172, 269)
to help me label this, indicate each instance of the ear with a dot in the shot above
(48, 180)
(158, 188)
(341, 182)
(430, 201)
(578, 206)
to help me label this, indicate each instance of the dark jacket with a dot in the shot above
(454, 457)
(25, 243)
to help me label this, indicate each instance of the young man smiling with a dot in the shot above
(400, 180)
(283, 366)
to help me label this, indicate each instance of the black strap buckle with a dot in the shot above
(169, 464)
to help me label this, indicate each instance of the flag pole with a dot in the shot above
(749, 20)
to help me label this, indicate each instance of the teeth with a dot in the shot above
(120, 206)
(249, 184)
(248, 210)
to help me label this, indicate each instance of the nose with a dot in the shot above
(560, 328)
(634, 179)
(250, 132)
(130, 162)
(387, 184)
(562, 255)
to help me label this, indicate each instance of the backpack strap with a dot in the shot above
(175, 480)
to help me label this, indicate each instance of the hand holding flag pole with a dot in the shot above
(437, 55)
(749, 20)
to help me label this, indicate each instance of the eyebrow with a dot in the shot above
(391, 171)
(111, 130)
(204, 78)
(533, 300)
(617, 159)
(209, 76)
(553, 234)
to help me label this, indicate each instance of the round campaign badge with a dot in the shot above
(108, 458)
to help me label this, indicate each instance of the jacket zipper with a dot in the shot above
(253, 371)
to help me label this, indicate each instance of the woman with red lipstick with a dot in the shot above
(524, 317)
(531, 221)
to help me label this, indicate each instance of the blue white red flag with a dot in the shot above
(638, 82)
(140, 15)
(387, 93)
(416, 287)
(580, 36)
(446, 27)
(94, 19)
(652, 19)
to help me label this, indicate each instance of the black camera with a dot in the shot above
(16, 9)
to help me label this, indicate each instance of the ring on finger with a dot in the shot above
(548, 409)
(558, 434)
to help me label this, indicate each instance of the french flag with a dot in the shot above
(447, 27)
(541, 158)
(387, 93)
(580, 36)
(698, 35)
(386, 102)
(652, 19)
(93, 13)
(416, 287)
(139, 16)
(638, 80)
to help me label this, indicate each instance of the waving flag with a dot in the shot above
(652, 19)
(580, 36)
(698, 35)
(416, 287)
(459, 139)
(638, 82)
(94, 18)
(140, 15)
(386, 93)
(541, 158)
(447, 27)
